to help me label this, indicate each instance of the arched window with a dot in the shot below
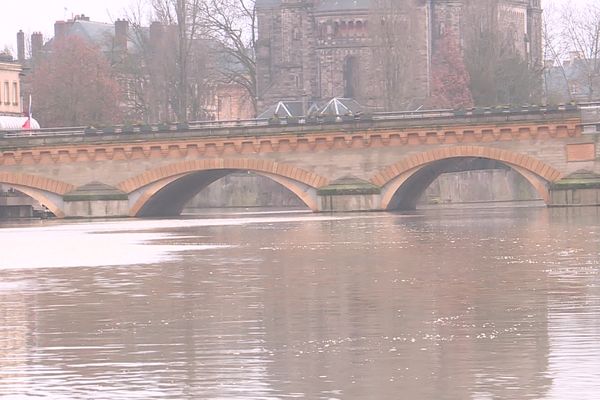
(296, 34)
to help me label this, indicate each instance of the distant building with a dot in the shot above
(10, 88)
(320, 49)
(13, 108)
(575, 79)
(132, 51)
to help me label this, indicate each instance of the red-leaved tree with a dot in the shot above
(74, 85)
(450, 77)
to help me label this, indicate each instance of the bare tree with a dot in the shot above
(394, 31)
(554, 53)
(553, 56)
(495, 55)
(167, 69)
(581, 34)
(232, 24)
(449, 76)
(182, 17)
(149, 67)
(75, 85)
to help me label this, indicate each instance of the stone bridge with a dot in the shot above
(378, 162)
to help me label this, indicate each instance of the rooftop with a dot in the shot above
(100, 33)
(322, 5)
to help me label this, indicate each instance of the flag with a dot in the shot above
(27, 124)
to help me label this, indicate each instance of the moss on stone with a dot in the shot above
(581, 179)
(94, 197)
(576, 184)
(95, 191)
(349, 186)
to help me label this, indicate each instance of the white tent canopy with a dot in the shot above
(8, 123)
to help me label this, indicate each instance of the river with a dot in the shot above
(440, 304)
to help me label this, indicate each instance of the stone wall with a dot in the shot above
(479, 186)
(249, 190)
(244, 190)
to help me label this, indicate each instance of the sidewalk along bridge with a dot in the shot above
(341, 163)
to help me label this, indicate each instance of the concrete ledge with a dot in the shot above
(347, 203)
(349, 186)
(95, 191)
(96, 209)
(349, 194)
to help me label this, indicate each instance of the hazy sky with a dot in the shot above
(40, 15)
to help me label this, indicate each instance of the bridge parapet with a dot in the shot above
(303, 125)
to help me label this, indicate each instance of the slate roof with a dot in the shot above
(341, 106)
(337, 106)
(100, 33)
(576, 74)
(284, 109)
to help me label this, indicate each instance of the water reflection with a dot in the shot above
(446, 305)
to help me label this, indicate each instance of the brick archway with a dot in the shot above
(39, 188)
(244, 164)
(143, 188)
(536, 172)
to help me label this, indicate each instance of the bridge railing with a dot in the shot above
(69, 131)
(587, 110)
(128, 129)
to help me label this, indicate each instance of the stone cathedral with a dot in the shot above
(318, 49)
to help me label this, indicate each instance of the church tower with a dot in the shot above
(534, 34)
(285, 50)
(319, 49)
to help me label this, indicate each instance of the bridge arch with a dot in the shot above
(403, 182)
(170, 187)
(46, 191)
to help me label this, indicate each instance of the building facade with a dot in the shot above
(10, 88)
(574, 79)
(318, 49)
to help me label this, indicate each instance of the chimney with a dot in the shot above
(121, 33)
(60, 30)
(21, 47)
(37, 42)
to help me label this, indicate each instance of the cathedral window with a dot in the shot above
(351, 76)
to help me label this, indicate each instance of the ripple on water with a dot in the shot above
(445, 306)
